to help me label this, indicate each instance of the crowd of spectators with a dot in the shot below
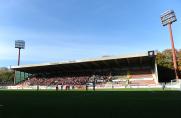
(98, 78)
(57, 81)
(6, 83)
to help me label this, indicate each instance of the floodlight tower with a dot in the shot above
(20, 44)
(167, 18)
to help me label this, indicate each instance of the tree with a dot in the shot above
(165, 62)
(6, 75)
(179, 61)
(164, 59)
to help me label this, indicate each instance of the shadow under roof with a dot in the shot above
(94, 63)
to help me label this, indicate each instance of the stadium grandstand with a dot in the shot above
(133, 70)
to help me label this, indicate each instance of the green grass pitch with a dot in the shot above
(120, 103)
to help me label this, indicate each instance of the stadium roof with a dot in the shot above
(94, 63)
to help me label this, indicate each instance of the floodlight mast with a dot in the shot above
(20, 44)
(167, 18)
(19, 56)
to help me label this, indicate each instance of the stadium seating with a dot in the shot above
(56, 81)
(139, 77)
(142, 82)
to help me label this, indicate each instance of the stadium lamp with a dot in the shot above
(20, 44)
(151, 53)
(167, 18)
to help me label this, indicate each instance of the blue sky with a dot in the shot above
(58, 30)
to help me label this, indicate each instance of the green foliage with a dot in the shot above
(6, 75)
(179, 59)
(164, 59)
